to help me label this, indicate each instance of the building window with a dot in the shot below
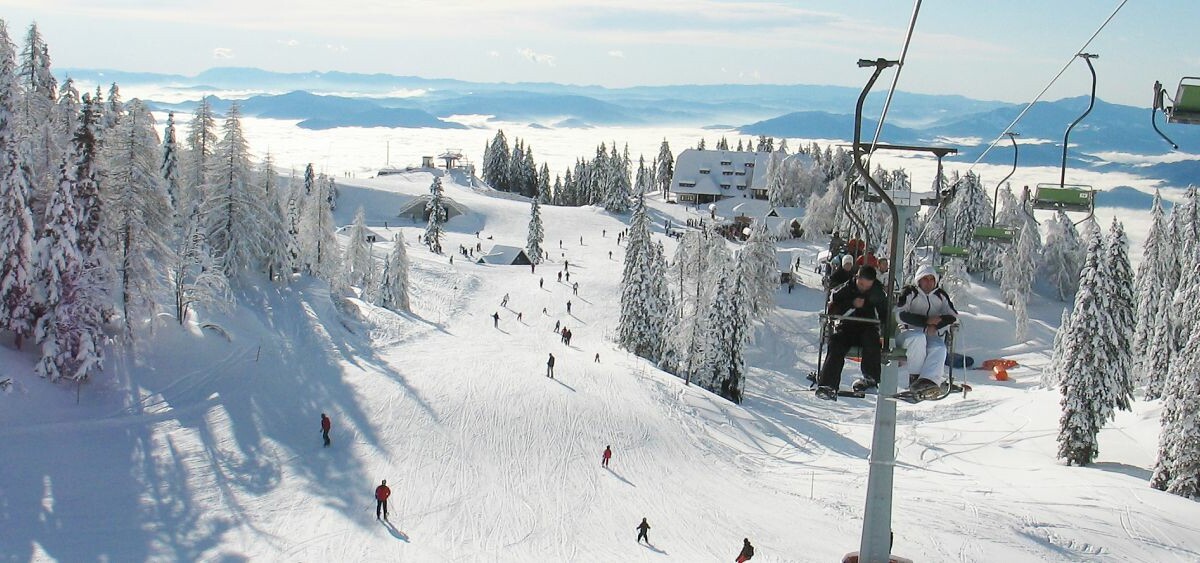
(727, 173)
(741, 186)
(726, 162)
(724, 186)
(687, 184)
(740, 172)
(704, 170)
(749, 165)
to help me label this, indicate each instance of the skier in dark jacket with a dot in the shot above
(747, 552)
(496, 319)
(550, 367)
(325, 426)
(382, 492)
(642, 529)
(860, 298)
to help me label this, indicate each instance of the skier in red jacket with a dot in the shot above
(607, 454)
(325, 425)
(382, 492)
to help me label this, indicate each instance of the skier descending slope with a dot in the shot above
(382, 492)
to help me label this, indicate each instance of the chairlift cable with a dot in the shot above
(887, 103)
(1074, 56)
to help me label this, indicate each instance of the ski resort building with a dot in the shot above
(703, 176)
(502, 255)
(415, 208)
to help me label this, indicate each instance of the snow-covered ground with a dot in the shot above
(205, 445)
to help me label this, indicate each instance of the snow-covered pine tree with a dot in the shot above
(279, 244)
(495, 163)
(758, 272)
(168, 169)
(1120, 309)
(1060, 257)
(201, 141)
(666, 168)
(437, 217)
(17, 275)
(1155, 358)
(645, 298)
(1088, 394)
(1020, 265)
(1052, 373)
(684, 273)
(729, 329)
(619, 187)
(294, 209)
(971, 209)
(38, 96)
(1149, 284)
(358, 262)
(1185, 230)
(821, 211)
(516, 167)
(393, 286)
(235, 206)
(776, 181)
(59, 267)
(1177, 469)
(536, 235)
(196, 277)
(543, 184)
(318, 232)
(66, 113)
(137, 214)
(641, 183)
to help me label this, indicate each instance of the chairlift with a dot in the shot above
(1071, 198)
(1185, 108)
(992, 233)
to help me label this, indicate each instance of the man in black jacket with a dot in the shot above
(860, 298)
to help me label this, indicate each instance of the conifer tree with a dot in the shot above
(1089, 396)
(197, 278)
(318, 232)
(59, 265)
(393, 287)
(666, 168)
(201, 141)
(1052, 373)
(645, 299)
(357, 261)
(496, 163)
(536, 235)
(759, 277)
(168, 169)
(437, 217)
(279, 243)
(137, 214)
(16, 219)
(1149, 284)
(235, 205)
(1060, 258)
(1155, 358)
(36, 116)
(1177, 469)
(1118, 319)
(729, 330)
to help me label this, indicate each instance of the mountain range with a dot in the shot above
(319, 100)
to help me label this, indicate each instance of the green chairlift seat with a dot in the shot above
(998, 234)
(1065, 198)
(951, 251)
(1187, 102)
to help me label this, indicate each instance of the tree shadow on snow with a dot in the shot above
(1139, 473)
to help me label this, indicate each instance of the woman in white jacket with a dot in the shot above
(925, 311)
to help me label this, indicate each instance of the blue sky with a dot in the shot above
(987, 49)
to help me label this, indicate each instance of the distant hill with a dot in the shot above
(1126, 197)
(821, 125)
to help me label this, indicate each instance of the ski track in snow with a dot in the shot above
(490, 460)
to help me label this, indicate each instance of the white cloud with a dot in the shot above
(288, 42)
(339, 48)
(617, 53)
(536, 57)
(222, 53)
(494, 54)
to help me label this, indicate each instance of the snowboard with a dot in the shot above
(960, 361)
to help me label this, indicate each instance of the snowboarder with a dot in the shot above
(382, 492)
(504, 302)
(860, 298)
(550, 367)
(607, 454)
(575, 288)
(496, 319)
(925, 311)
(325, 426)
(642, 528)
(568, 306)
(747, 552)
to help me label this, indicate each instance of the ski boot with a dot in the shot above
(827, 393)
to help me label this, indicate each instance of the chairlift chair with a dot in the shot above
(1187, 102)
(995, 234)
(1065, 197)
